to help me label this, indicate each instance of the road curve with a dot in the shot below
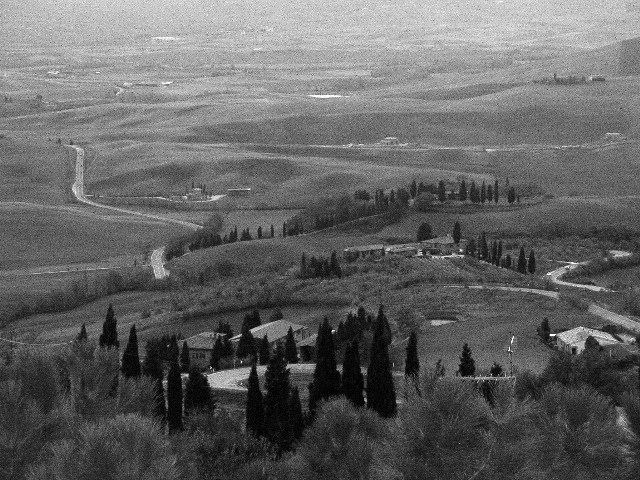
(555, 275)
(157, 256)
(594, 309)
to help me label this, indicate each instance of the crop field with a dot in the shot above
(38, 236)
(35, 170)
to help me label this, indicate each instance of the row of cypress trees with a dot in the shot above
(196, 394)
(277, 415)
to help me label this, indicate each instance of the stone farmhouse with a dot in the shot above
(201, 347)
(276, 332)
(572, 341)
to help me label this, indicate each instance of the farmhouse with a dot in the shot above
(196, 195)
(238, 192)
(443, 246)
(276, 332)
(389, 141)
(572, 341)
(405, 250)
(353, 253)
(201, 347)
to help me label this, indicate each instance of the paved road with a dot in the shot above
(594, 309)
(157, 256)
(556, 274)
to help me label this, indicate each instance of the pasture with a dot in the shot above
(36, 235)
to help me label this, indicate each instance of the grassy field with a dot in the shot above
(39, 236)
(35, 170)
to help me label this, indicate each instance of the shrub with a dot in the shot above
(128, 447)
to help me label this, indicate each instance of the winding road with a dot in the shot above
(157, 256)
(556, 274)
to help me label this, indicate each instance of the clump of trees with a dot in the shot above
(320, 267)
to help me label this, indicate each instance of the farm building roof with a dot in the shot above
(203, 340)
(579, 335)
(407, 247)
(364, 248)
(273, 330)
(310, 341)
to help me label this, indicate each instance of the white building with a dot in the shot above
(572, 341)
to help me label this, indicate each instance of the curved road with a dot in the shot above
(555, 275)
(157, 256)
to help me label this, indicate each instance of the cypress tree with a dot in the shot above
(490, 193)
(457, 234)
(259, 233)
(508, 261)
(264, 351)
(254, 409)
(511, 195)
(251, 320)
(412, 363)
(484, 247)
(272, 232)
(277, 425)
(522, 262)
(216, 354)
(473, 192)
(532, 262)
(296, 418)
(197, 392)
(109, 336)
(152, 368)
(413, 189)
(82, 336)
(352, 378)
(483, 192)
(174, 350)
(381, 394)
(463, 191)
(246, 344)
(499, 251)
(326, 378)
(471, 248)
(467, 367)
(185, 358)
(494, 253)
(496, 195)
(424, 232)
(174, 398)
(290, 349)
(284, 229)
(130, 358)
